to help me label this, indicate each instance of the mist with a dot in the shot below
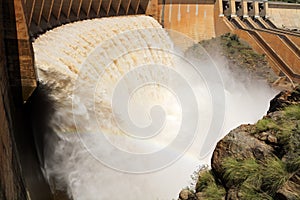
(77, 159)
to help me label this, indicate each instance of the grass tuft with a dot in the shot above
(274, 175)
(266, 124)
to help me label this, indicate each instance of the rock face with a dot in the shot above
(260, 161)
(239, 144)
(284, 99)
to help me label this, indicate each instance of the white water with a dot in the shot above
(82, 107)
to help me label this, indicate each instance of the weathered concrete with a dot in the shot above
(284, 15)
(194, 19)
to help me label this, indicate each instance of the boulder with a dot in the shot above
(187, 194)
(239, 144)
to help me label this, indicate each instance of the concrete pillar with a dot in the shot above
(220, 8)
(22, 59)
(256, 9)
(232, 8)
(266, 8)
(152, 9)
(245, 8)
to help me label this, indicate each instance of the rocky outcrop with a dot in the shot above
(283, 99)
(260, 161)
(241, 145)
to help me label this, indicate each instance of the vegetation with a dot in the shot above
(236, 171)
(287, 129)
(207, 185)
(266, 124)
(259, 179)
(238, 56)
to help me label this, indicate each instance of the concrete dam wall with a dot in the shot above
(195, 20)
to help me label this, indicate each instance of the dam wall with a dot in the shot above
(20, 173)
(192, 18)
(11, 182)
(284, 15)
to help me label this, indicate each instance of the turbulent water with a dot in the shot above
(132, 115)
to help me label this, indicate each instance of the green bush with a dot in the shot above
(293, 112)
(293, 164)
(266, 124)
(238, 171)
(249, 192)
(274, 175)
(205, 178)
(257, 180)
(207, 185)
(214, 192)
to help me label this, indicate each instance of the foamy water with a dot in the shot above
(107, 77)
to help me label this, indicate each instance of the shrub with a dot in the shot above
(293, 164)
(249, 192)
(207, 185)
(293, 112)
(234, 37)
(266, 124)
(238, 171)
(274, 175)
(205, 178)
(214, 192)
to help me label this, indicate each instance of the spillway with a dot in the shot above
(132, 115)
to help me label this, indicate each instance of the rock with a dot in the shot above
(200, 196)
(261, 136)
(291, 189)
(284, 99)
(232, 194)
(239, 144)
(272, 139)
(186, 194)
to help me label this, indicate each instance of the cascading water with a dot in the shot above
(121, 93)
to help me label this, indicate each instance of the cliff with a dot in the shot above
(260, 161)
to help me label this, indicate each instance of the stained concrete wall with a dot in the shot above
(195, 20)
(220, 24)
(284, 14)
